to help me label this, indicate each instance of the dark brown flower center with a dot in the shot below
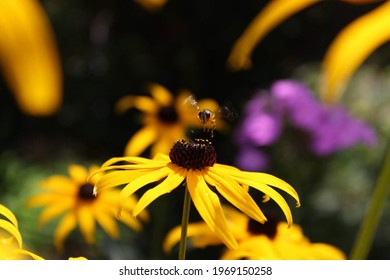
(168, 115)
(86, 192)
(195, 154)
(268, 228)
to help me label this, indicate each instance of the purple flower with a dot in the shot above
(251, 159)
(338, 130)
(297, 102)
(329, 128)
(262, 124)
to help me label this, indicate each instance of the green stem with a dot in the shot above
(184, 224)
(370, 222)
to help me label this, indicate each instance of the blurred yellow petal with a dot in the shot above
(269, 17)
(145, 104)
(67, 224)
(141, 140)
(29, 57)
(78, 173)
(151, 5)
(351, 47)
(87, 223)
(107, 222)
(161, 94)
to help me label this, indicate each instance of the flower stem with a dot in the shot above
(184, 224)
(370, 222)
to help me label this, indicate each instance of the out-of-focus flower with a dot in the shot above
(152, 5)
(328, 128)
(272, 240)
(344, 55)
(73, 196)
(166, 119)
(11, 242)
(29, 57)
(195, 163)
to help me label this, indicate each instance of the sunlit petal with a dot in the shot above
(9, 215)
(12, 230)
(234, 193)
(29, 56)
(351, 47)
(28, 253)
(269, 17)
(174, 179)
(78, 173)
(140, 182)
(209, 207)
(142, 103)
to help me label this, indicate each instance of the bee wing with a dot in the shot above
(227, 112)
(192, 101)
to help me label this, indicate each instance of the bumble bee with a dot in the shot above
(208, 117)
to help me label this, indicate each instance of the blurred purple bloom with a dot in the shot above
(298, 103)
(330, 128)
(262, 124)
(338, 130)
(251, 159)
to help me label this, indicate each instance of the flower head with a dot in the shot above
(194, 163)
(73, 196)
(165, 118)
(272, 240)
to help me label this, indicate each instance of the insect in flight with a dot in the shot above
(208, 117)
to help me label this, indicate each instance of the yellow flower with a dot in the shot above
(74, 197)
(29, 57)
(10, 238)
(344, 55)
(165, 119)
(270, 241)
(195, 163)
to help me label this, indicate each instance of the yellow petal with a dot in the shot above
(116, 178)
(272, 14)
(11, 229)
(78, 173)
(274, 195)
(9, 215)
(140, 182)
(200, 231)
(66, 225)
(30, 58)
(55, 209)
(174, 179)
(28, 253)
(351, 47)
(235, 194)
(87, 223)
(142, 139)
(107, 222)
(145, 104)
(162, 95)
(209, 207)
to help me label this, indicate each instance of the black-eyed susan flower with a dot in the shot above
(272, 240)
(194, 163)
(29, 57)
(11, 242)
(165, 119)
(73, 196)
